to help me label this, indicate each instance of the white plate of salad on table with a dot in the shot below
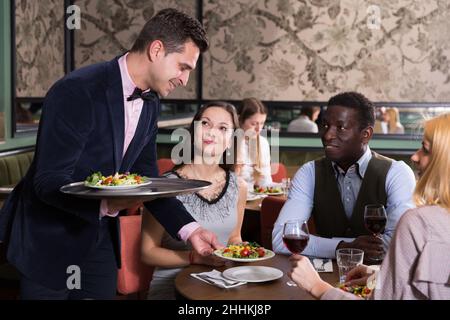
(244, 252)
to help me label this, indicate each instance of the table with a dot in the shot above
(255, 205)
(194, 289)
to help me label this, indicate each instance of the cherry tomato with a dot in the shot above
(261, 252)
(244, 252)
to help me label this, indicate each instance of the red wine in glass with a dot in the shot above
(295, 243)
(375, 225)
(375, 219)
(295, 238)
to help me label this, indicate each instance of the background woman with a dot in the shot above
(255, 151)
(392, 118)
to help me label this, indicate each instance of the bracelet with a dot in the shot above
(191, 257)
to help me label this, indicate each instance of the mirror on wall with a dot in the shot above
(392, 120)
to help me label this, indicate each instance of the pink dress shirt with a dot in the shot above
(132, 112)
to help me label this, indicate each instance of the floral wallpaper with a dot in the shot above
(281, 50)
(289, 50)
(109, 28)
(39, 46)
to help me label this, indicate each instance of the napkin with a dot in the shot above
(215, 278)
(322, 265)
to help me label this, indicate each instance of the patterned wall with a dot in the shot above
(283, 50)
(290, 50)
(39, 46)
(109, 28)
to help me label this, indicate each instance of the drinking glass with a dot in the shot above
(347, 259)
(375, 219)
(285, 185)
(295, 238)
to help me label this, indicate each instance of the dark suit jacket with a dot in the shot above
(81, 131)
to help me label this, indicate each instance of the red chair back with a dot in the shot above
(279, 172)
(270, 209)
(134, 276)
(164, 165)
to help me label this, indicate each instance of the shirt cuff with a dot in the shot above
(104, 210)
(186, 231)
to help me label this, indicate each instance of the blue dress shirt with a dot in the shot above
(400, 184)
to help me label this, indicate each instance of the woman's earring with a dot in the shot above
(228, 152)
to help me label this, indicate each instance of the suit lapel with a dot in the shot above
(114, 94)
(142, 130)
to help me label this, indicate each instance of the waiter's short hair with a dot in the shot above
(173, 28)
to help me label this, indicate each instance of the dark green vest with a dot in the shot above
(328, 211)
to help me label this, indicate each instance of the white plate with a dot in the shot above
(252, 196)
(253, 273)
(269, 254)
(146, 182)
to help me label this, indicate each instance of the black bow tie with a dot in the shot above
(137, 93)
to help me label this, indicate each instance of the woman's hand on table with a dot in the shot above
(304, 274)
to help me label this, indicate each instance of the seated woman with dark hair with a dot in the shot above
(220, 207)
(417, 265)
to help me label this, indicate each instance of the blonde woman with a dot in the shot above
(220, 207)
(392, 118)
(255, 151)
(417, 265)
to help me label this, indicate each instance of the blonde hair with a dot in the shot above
(433, 187)
(394, 119)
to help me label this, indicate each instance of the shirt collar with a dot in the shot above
(361, 164)
(127, 83)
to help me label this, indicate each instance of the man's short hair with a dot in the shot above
(355, 100)
(173, 28)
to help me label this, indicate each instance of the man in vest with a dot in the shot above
(335, 189)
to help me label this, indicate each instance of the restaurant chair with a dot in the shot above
(270, 209)
(134, 276)
(165, 165)
(279, 171)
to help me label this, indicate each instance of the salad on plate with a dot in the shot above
(118, 180)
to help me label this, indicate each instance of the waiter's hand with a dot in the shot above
(118, 205)
(204, 241)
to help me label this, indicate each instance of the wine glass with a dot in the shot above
(295, 238)
(285, 185)
(375, 219)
